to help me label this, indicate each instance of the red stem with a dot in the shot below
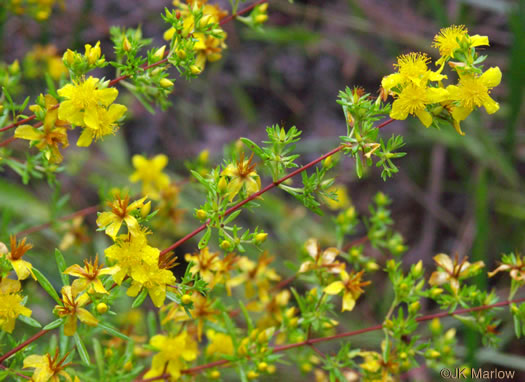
(145, 67)
(23, 345)
(281, 348)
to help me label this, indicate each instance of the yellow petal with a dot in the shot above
(425, 117)
(85, 138)
(34, 360)
(492, 77)
(478, 40)
(28, 132)
(70, 326)
(86, 317)
(348, 302)
(461, 113)
(334, 288)
(107, 96)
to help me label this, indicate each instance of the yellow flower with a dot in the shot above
(516, 268)
(88, 276)
(208, 48)
(100, 123)
(342, 201)
(83, 99)
(242, 174)
(121, 211)
(453, 271)
(351, 285)
(92, 53)
(149, 171)
(255, 277)
(47, 368)
(473, 91)
(53, 133)
(135, 258)
(11, 304)
(321, 259)
(412, 68)
(448, 41)
(219, 343)
(21, 267)
(174, 352)
(72, 310)
(201, 311)
(204, 263)
(414, 99)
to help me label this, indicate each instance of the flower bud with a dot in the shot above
(263, 7)
(108, 352)
(14, 68)
(201, 214)
(260, 237)
(102, 308)
(435, 292)
(225, 245)
(414, 307)
(159, 54)
(371, 266)
(69, 57)
(259, 19)
(252, 374)
(328, 161)
(418, 268)
(223, 184)
(262, 366)
(128, 366)
(194, 69)
(186, 299)
(168, 35)
(126, 45)
(215, 374)
(145, 209)
(433, 353)
(165, 83)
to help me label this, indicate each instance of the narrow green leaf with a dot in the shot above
(140, 298)
(99, 358)
(113, 331)
(44, 283)
(54, 324)
(30, 321)
(81, 349)
(61, 264)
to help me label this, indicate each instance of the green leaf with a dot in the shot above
(30, 321)
(44, 283)
(81, 349)
(99, 358)
(140, 298)
(61, 264)
(205, 239)
(113, 331)
(54, 324)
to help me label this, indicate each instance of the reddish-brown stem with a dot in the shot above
(312, 341)
(15, 372)
(118, 79)
(19, 347)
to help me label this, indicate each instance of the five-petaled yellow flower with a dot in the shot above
(173, 353)
(448, 41)
(53, 133)
(351, 285)
(242, 174)
(149, 171)
(452, 271)
(88, 276)
(72, 310)
(22, 268)
(11, 304)
(47, 368)
(121, 212)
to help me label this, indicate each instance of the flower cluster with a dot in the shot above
(419, 91)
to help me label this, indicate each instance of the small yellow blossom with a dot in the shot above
(414, 99)
(53, 132)
(102, 122)
(219, 343)
(201, 312)
(321, 259)
(351, 285)
(205, 263)
(76, 234)
(11, 304)
(121, 212)
(341, 194)
(72, 310)
(92, 53)
(21, 267)
(448, 41)
(242, 174)
(473, 91)
(452, 271)
(47, 368)
(88, 276)
(516, 268)
(173, 353)
(149, 172)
